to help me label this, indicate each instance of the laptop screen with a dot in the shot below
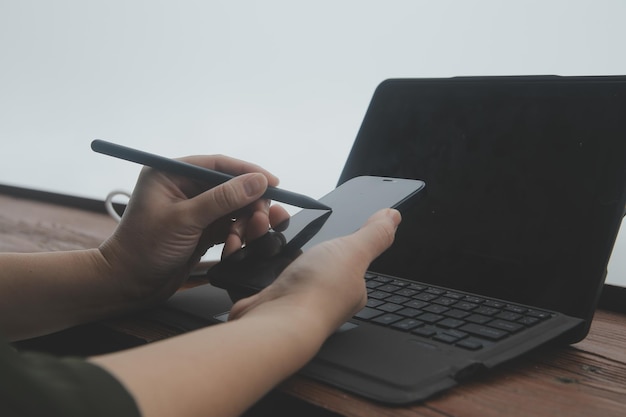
(525, 183)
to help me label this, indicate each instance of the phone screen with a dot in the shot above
(352, 203)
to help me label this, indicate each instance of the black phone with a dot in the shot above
(259, 263)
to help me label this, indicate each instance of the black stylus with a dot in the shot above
(209, 176)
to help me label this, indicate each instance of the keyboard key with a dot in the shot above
(472, 299)
(430, 317)
(506, 325)
(436, 291)
(416, 287)
(382, 279)
(398, 299)
(425, 296)
(454, 295)
(409, 312)
(528, 321)
(426, 331)
(445, 338)
(368, 313)
(407, 292)
(450, 323)
(470, 344)
(509, 316)
(516, 309)
(387, 319)
(494, 304)
(486, 311)
(484, 331)
(389, 307)
(538, 314)
(373, 284)
(416, 304)
(456, 333)
(388, 288)
(457, 314)
(407, 324)
(477, 318)
(379, 295)
(434, 308)
(444, 301)
(372, 302)
(465, 305)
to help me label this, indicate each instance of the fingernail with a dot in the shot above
(254, 185)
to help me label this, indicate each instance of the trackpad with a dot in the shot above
(378, 353)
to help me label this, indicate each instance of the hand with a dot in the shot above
(171, 221)
(326, 281)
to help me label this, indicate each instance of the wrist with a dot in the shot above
(114, 264)
(297, 311)
(116, 295)
(291, 318)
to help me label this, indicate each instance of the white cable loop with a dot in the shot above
(108, 203)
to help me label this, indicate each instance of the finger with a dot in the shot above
(226, 198)
(262, 217)
(236, 237)
(377, 234)
(258, 222)
(249, 224)
(254, 226)
(279, 217)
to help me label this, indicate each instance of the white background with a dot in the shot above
(284, 84)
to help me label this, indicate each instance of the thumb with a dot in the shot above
(227, 197)
(377, 234)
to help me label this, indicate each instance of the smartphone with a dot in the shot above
(259, 263)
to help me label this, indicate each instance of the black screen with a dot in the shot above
(352, 204)
(525, 181)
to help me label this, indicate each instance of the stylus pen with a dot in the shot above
(196, 172)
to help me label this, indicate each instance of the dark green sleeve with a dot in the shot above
(34, 384)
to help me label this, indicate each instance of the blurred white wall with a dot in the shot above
(281, 83)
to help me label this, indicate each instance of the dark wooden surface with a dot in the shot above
(586, 379)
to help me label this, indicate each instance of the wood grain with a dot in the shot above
(27, 226)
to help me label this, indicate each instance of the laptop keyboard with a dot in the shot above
(451, 317)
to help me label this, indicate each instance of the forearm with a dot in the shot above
(44, 292)
(221, 370)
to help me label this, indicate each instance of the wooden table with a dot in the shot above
(586, 379)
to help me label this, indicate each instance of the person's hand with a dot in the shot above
(269, 337)
(171, 221)
(327, 281)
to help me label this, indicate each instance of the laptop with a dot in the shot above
(508, 247)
